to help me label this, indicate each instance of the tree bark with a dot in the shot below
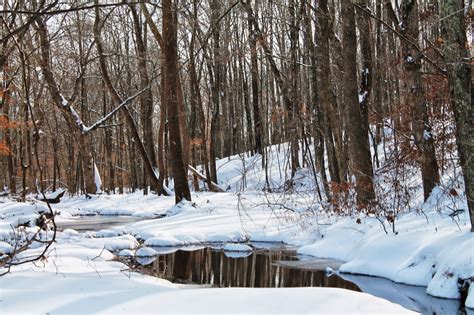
(146, 98)
(460, 86)
(359, 153)
(414, 97)
(171, 74)
(326, 101)
(254, 83)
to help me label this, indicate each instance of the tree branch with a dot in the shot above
(402, 37)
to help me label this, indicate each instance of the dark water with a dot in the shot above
(260, 269)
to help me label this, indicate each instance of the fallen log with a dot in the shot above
(54, 197)
(214, 187)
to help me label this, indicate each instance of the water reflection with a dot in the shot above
(223, 269)
(411, 297)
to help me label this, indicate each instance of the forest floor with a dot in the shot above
(430, 245)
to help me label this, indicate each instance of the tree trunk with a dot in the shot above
(414, 97)
(171, 74)
(460, 85)
(146, 99)
(216, 89)
(327, 105)
(5, 108)
(254, 83)
(359, 153)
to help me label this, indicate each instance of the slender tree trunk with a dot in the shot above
(161, 131)
(110, 180)
(146, 98)
(414, 97)
(216, 89)
(327, 105)
(365, 88)
(5, 108)
(315, 99)
(254, 83)
(294, 118)
(197, 99)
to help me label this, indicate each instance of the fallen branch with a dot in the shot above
(56, 199)
(214, 187)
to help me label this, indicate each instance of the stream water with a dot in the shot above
(262, 268)
(95, 222)
(270, 265)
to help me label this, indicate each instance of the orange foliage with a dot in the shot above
(4, 149)
(5, 123)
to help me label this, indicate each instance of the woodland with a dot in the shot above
(355, 112)
(137, 91)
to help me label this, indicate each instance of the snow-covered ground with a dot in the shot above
(429, 247)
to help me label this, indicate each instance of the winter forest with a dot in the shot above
(222, 156)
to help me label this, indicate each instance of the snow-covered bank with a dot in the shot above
(82, 281)
(430, 249)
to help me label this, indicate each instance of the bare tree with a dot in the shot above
(359, 153)
(460, 85)
(181, 188)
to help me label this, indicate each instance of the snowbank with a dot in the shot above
(428, 250)
(237, 248)
(146, 252)
(5, 248)
(18, 213)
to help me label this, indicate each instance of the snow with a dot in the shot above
(5, 248)
(97, 180)
(115, 243)
(163, 241)
(427, 135)
(126, 253)
(470, 297)
(55, 193)
(362, 97)
(146, 252)
(64, 101)
(135, 204)
(429, 250)
(14, 214)
(237, 248)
